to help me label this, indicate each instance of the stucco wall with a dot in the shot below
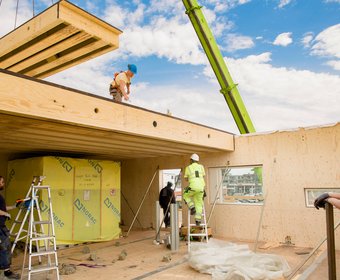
(292, 161)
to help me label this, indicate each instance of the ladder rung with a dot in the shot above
(46, 237)
(17, 222)
(15, 234)
(41, 187)
(43, 269)
(42, 253)
(198, 234)
(42, 222)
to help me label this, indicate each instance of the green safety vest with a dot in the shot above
(195, 173)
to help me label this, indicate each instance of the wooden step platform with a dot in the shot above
(60, 37)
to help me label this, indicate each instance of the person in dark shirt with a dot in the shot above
(5, 243)
(166, 196)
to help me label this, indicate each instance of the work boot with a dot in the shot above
(192, 211)
(11, 275)
(198, 223)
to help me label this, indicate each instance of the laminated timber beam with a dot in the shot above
(35, 113)
(60, 37)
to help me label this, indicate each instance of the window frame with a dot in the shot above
(309, 200)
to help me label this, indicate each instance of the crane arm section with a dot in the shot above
(228, 88)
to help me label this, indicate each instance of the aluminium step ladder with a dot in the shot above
(19, 227)
(49, 250)
(202, 228)
(35, 232)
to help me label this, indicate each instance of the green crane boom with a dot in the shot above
(228, 88)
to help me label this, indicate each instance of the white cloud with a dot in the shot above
(279, 98)
(168, 39)
(283, 39)
(332, 1)
(238, 42)
(335, 64)
(327, 42)
(7, 15)
(284, 3)
(307, 39)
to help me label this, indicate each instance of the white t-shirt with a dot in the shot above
(121, 77)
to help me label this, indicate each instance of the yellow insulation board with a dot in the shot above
(85, 195)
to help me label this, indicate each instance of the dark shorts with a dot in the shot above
(116, 95)
(5, 248)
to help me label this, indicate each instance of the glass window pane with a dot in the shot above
(237, 185)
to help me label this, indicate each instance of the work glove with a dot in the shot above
(320, 201)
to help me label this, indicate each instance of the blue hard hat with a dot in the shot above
(132, 68)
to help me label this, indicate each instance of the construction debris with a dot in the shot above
(86, 250)
(66, 269)
(167, 258)
(122, 255)
(93, 257)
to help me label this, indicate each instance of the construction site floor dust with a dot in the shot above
(137, 257)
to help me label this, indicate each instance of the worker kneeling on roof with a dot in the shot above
(193, 194)
(120, 86)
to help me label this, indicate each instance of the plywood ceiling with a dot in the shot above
(58, 38)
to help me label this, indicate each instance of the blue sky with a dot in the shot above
(283, 54)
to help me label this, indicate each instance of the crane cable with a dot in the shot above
(17, 8)
(16, 14)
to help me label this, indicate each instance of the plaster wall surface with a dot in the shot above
(292, 161)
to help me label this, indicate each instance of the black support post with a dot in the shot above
(330, 242)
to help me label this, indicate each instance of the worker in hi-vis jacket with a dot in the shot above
(193, 194)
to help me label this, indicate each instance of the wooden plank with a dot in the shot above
(50, 102)
(63, 131)
(75, 61)
(44, 146)
(33, 51)
(30, 30)
(68, 57)
(92, 25)
(40, 48)
(95, 145)
(30, 134)
(33, 57)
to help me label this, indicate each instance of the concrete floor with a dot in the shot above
(144, 260)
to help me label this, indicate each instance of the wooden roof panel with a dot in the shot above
(60, 37)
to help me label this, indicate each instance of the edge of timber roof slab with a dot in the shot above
(62, 36)
(35, 112)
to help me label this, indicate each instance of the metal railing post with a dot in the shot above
(157, 222)
(174, 227)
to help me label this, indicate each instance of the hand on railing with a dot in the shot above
(321, 200)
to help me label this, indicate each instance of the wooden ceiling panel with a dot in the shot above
(60, 37)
